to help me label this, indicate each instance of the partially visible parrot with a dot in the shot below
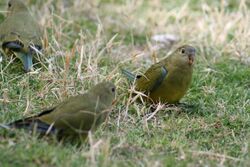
(74, 117)
(20, 34)
(168, 80)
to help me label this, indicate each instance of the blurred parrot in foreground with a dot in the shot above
(74, 117)
(168, 80)
(20, 34)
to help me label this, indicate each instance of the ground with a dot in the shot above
(89, 41)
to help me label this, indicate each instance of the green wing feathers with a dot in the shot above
(152, 79)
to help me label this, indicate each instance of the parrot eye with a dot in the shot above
(9, 5)
(113, 90)
(183, 51)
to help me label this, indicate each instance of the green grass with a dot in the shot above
(213, 131)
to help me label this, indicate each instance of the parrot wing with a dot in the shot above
(152, 78)
(79, 122)
(15, 46)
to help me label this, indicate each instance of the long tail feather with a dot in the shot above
(33, 125)
(131, 77)
(27, 61)
(4, 126)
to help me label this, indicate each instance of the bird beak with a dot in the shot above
(190, 59)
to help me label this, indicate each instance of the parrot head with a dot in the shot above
(185, 55)
(105, 91)
(16, 6)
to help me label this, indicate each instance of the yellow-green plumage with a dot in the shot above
(168, 80)
(75, 116)
(19, 32)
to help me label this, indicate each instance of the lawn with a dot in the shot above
(89, 41)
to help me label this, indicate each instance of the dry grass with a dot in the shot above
(88, 41)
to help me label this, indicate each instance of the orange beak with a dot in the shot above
(190, 60)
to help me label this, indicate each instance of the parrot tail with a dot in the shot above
(33, 125)
(131, 77)
(4, 126)
(27, 61)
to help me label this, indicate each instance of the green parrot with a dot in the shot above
(20, 34)
(168, 80)
(74, 117)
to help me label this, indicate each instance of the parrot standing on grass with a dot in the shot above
(74, 117)
(20, 34)
(168, 80)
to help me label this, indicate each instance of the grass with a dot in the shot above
(97, 41)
